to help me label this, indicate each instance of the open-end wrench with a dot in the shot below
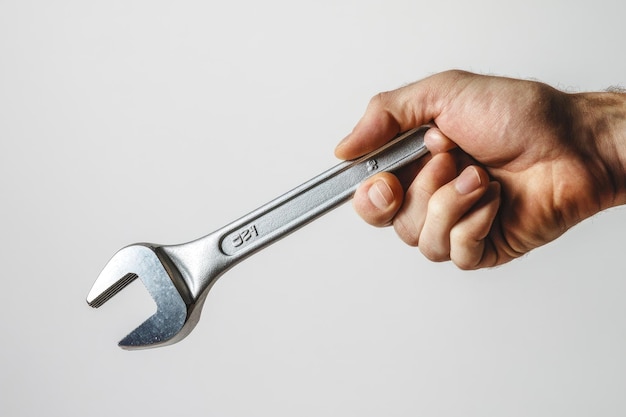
(179, 277)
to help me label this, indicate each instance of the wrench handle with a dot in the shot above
(317, 196)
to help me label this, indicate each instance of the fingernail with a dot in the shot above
(468, 181)
(380, 194)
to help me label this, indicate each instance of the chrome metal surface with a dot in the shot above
(179, 277)
(142, 261)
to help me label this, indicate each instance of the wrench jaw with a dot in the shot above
(174, 318)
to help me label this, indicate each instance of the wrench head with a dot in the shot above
(168, 324)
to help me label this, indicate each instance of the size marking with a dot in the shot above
(239, 239)
(372, 165)
(245, 236)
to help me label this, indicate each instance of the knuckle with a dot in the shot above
(437, 210)
(382, 102)
(380, 99)
(465, 250)
(455, 73)
(459, 236)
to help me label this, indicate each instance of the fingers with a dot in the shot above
(470, 247)
(435, 203)
(457, 220)
(410, 220)
(378, 199)
(447, 215)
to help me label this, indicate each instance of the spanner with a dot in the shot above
(179, 277)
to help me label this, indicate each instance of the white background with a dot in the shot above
(126, 121)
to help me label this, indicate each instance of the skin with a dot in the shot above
(514, 164)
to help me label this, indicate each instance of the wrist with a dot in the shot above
(603, 118)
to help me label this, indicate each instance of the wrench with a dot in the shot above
(179, 277)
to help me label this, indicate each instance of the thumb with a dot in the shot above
(393, 112)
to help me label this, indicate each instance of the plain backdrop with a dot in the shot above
(127, 121)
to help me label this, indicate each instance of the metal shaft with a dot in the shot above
(202, 261)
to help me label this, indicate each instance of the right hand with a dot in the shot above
(514, 165)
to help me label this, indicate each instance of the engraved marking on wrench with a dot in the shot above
(239, 239)
(372, 165)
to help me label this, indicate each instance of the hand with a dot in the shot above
(513, 165)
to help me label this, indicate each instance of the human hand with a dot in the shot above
(514, 164)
